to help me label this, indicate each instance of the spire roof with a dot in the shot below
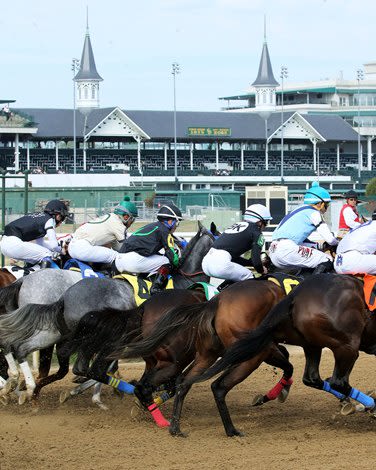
(88, 70)
(265, 73)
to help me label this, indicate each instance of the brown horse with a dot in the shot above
(6, 277)
(326, 310)
(213, 327)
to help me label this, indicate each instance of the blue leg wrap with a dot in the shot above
(120, 385)
(362, 398)
(326, 386)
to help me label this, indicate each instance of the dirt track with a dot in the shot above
(306, 432)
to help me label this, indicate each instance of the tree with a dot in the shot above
(371, 187)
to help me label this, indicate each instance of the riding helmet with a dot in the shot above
(55, 207)
(257, 212)
(316, 194)
(169, 211)
(126, 207)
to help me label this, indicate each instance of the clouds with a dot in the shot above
(217, 43)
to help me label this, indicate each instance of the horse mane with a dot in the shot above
(192, 242)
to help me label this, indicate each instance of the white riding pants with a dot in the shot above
(217, 263)
(30, 252)
(286, 253)
(85, 251)
(134, 263)
(354, 262)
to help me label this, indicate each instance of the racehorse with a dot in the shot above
(326, 310)
(214, 326)
(99, 332)
(6, 277)
(35, 326)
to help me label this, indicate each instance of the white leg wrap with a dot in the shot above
(13, 370)
(29, 379)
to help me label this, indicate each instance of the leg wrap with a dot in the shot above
(326, 386)
(120, 385)
(277, 389)
(362, 398)
(158, 416)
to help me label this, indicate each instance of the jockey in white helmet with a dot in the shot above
(224, 259)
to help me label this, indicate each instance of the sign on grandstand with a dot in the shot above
(210, 131)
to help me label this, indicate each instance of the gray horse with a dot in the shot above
(36, 326)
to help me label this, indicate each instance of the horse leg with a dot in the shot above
(345, 359)
(201, 363)
(231, 377)
(63, 353)
(278, 358)
(45, 358)
(13, 375)
(64, 396)
(311, 376)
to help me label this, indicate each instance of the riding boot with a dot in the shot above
(224, 284)
(161, 279)
(323, 267)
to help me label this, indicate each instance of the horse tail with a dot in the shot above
(20, 325)
(195, 319)
(9, 296)
(104, 326)
(252, 343)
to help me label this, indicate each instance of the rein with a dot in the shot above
(190, 274)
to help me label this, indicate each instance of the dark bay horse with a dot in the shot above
(326, 310)
(6, 277)
(213, 327)
(36, 326)
(98, 334)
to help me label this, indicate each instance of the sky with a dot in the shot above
(217, 44)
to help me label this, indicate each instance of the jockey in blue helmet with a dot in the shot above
(289, 246)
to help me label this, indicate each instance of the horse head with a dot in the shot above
(197, 248)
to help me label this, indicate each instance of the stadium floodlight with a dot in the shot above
(175, 71)
(284, 75)
(75, 68)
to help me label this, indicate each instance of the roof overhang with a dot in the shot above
(296, 127)
(18, 130)
(117, 124)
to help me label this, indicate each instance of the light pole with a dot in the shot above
(284, 74)
(359, 76)
(175, 71)
(75, 68)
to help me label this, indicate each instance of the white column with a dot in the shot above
(139, 154)
(57, 155)
(314, 155)
(28, 154)
(217, 156)
(191, 146)
(165, 156)
(369, 152)
(17, 153)
(338, 161)
(242, 156)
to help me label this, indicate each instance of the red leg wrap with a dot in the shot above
(277, 389)
(158, 417)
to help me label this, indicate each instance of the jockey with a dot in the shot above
(288, 247)
(18, 235)
(91, 241)
(140, 252)
(356, 251)
(349, 217)
(224, 258)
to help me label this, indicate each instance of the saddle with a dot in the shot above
(85, 269)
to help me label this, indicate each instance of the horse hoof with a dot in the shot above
(100, 405)
(4, 400)
(258, 400)
(23, 398)
(64, 396)
(282, 397)
(22, 385)
(236, 433)
(372, 394)
(9, 386)
(348, 409)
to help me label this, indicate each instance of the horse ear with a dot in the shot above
(200, 226)
(213, 228)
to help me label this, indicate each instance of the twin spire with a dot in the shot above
(87, 78)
